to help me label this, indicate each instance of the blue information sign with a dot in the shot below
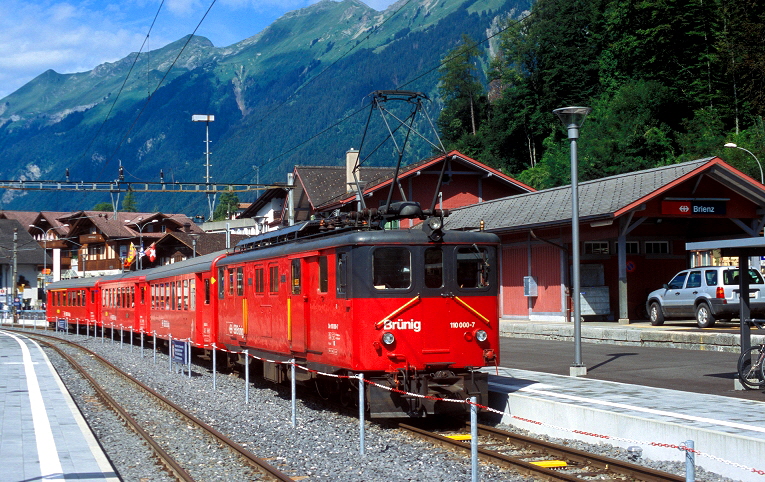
(181, 352)
(61, 324)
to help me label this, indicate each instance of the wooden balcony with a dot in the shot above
(99, 264)
(91, 238)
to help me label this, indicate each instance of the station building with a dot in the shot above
(633, 230)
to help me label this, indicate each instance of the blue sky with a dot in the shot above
(75, 36)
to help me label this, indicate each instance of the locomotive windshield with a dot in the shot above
(472, 267)
(392, 268)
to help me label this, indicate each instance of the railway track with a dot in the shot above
(158, 442)
(539, 459)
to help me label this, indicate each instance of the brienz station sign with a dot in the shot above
(694, 207)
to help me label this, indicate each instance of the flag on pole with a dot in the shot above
(151, 252)
(131, 256)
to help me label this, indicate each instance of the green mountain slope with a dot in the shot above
(277, 98)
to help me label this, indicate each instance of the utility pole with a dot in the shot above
(13, 276)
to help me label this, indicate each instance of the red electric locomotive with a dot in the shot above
(415, 310)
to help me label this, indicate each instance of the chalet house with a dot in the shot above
(102, 240)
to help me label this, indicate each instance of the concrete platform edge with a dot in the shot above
(617, 334)
(631, 429)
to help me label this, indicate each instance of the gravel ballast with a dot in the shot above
(323, 446)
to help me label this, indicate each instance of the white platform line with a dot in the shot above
(50, 465)
(635, 408)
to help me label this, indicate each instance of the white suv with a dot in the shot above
(707, 293)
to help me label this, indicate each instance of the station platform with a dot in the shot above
(655, 396)
(43, 436)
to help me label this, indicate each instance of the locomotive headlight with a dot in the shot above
(481, 335)
(388, 338)
(434, 223)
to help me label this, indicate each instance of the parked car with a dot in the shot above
(706, 293)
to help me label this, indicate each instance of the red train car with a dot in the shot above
(74, 300)
(415, 310)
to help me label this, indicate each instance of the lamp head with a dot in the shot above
(572, 119)
(730, 144)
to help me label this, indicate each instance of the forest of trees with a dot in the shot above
(668, 81)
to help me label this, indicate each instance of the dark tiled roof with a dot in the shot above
(324, 184)
(28, 251)
(600, 198)
(206, 242)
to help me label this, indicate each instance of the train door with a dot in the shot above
(297, 304)
(205, 308)
(141, 302)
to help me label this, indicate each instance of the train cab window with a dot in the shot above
(273, 274)
(240, 281)
(323, 275)
(472, 267)
(259, 280)
(296, 276)
(221, 284)
(434, 268)
(231, 281)
(341, 277)
(391, 268)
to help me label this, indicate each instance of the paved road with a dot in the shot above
(677, 369)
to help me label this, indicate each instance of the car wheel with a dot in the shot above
(656, 315)
(704, 316)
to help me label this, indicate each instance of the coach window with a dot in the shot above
(174, 296)
(93, 297)
(168, 295)
(186, 295)
(240, 281)
(340, 276)
(296, 276)
(221, 284)
(472, 267)
(207, 291)
(323, 275)
(143, 295)
(259, 282)
(153, 294)
(434, 268)
(391, 268)
(231, 281)
(193, 294)
(273, 274)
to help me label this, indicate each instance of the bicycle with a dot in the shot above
(751, 364)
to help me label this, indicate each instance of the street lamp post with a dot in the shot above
(734, 146)
(573, 118)
(207, 119)
(46, 234)
(140, 238)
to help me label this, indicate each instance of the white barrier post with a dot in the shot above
(294, 400)
(154, 347)
(474, 437)
(131, 340)
(141, 342)
(122, 336)
(690, 461)
(188, 345)
(246, 376)
(214, 370)
(170, 350)
(361, 413)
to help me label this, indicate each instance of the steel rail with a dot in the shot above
(254, 461)
(606, 464)
(635, 471)
(165, 458)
